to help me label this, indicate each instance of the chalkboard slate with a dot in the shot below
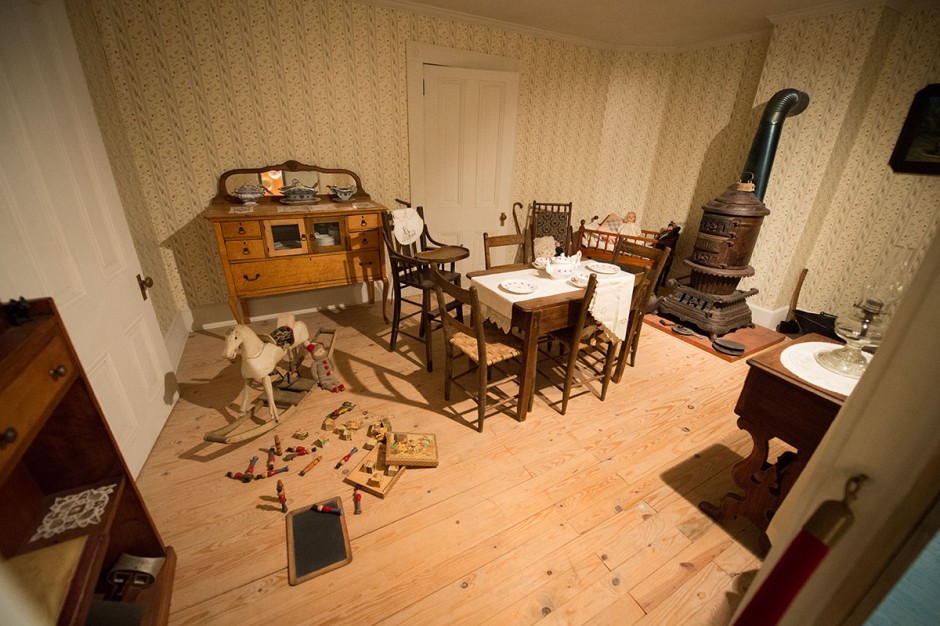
(316, 542)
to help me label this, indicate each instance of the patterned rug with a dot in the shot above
(754, 339)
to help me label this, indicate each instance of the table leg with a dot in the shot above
(764, 485)
(530, 353)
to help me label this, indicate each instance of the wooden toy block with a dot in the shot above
(328, 423)
(346, 435)
(392, 470)
(369, 466)
(376, 483)
(370, 443)
(354, 424)
(301, 434)
(323, 441)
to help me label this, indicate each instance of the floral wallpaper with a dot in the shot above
(876, 217)
(187, 90)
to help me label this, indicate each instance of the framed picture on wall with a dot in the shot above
(918, 148)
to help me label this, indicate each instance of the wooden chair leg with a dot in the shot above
(482, 376)
(636, 341)
(569, 373)
(448, 368)
(622, 360)
(426, 324)
(396, 319)
(608, 368)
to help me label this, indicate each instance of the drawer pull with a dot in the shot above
(369, 263)
(246, 251)
(365, 242)
(58, 372)
(251, 280)
(363, 222)
(241, 230)
(9, 436)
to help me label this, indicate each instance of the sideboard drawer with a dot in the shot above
(235, 230)
(363, 221)
(330, 269)
(24, 401)
(365, 240)
(244, 250)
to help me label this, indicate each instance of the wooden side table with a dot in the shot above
(774, 402)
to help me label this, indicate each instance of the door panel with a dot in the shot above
(469, 134)
(64, 231)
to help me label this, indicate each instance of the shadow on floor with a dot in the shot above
(706, 477)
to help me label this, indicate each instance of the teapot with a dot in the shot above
(563, 266)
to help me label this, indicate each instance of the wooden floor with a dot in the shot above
(589, 518)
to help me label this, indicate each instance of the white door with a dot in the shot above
(469, 135)
(63, 232)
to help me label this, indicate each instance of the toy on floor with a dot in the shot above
(282, 496)
(322, 369)
(260, 358)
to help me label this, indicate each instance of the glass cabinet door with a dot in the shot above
(328, 234)
(286, 237)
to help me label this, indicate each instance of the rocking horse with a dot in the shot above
(260, 357)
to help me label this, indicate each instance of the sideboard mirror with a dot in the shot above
(273, 177)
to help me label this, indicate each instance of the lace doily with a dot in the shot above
(77, 510)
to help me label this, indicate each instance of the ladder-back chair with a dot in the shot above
(516, 240)
(485, 346)
(638, 259)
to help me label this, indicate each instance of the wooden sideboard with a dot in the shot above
(274, 247)
(71, 508)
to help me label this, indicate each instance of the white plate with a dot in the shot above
(603, 268)
(517, 286)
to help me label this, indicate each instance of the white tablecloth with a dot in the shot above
(610, 307)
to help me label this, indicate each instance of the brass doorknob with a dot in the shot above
(144, 284)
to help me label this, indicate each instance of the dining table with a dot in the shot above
(552, 304)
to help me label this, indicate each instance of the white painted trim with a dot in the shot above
(831, 8)
(269, 307)
(176, 336)
(822, 10)
(418, 55)
(768, 318)
(448, 14)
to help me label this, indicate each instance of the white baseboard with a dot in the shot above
(768, 318)
(176, 336)
(269, 307)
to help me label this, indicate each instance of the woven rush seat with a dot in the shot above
(498, 345)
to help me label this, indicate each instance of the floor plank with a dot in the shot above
(586, 518)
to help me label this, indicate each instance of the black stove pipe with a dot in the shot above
(785, 103)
